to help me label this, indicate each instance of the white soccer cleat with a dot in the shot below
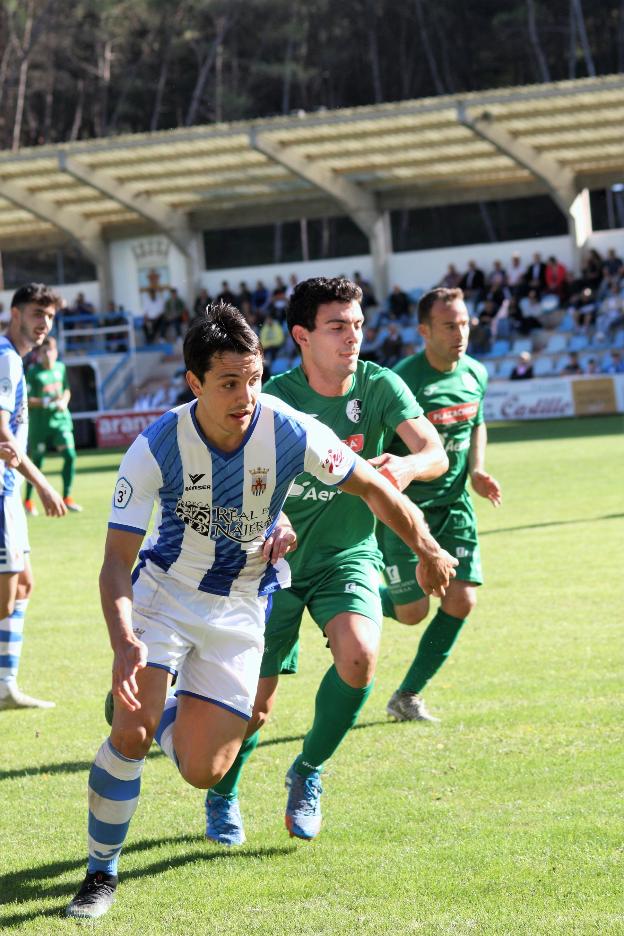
(14, 698)
(407, 706)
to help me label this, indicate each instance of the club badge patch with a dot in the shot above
(258, 480)
(354, 410)
(123, 493)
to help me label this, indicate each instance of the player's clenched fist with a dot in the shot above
(434, 573)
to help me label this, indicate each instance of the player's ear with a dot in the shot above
(300, 334)
(423, 330)
(193, 382)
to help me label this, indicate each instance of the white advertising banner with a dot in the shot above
(554, 397)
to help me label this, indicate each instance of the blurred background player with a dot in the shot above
(32, 314)
(50, 423)
(450, 387)
(335, 571)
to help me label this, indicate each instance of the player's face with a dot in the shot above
(333, 347)
(31, 324)
(446, 333)
(227, 396)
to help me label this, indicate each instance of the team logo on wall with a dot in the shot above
(258, 480)
(354, 410)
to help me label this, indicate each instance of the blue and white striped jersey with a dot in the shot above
(215, 509)
(13, 400)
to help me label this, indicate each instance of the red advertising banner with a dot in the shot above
(119, 429)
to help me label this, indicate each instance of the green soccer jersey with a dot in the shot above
(47, 383)
(453, 402)
(328, 521)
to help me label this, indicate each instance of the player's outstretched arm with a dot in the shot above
(436, 566)
(130, 653)
(282, 540)
(10, 454)
(51, 500)
(427, 460)
(483, 483)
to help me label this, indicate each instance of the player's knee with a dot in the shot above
(7, 607)
(132, 742)
(463, 604)
(356, 663)
(414, 613)
(203, 776)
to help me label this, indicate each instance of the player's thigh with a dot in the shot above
(14, 549)
(281, 636)
(206, 738)
(132, 732)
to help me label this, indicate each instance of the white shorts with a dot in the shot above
(13, 533)
(213, 644)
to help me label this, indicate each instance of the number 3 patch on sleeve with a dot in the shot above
(123, 493)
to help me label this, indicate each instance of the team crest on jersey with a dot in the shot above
(258, 480)
(469, 382)
(354, 410)
(5, 386)
(430, 390)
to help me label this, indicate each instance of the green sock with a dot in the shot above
(387, 604)
(69, 470)
(228, 785)
(433, 649)
(337, 708)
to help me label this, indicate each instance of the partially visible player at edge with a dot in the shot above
(450, 386)
(33, 308)
(219, 469)
(50, 423)
(336, 568)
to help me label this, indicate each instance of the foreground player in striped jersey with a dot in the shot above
(219, 470)
(33, 308)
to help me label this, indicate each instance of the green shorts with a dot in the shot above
(350, 585)
(55, 437)
(455, 528)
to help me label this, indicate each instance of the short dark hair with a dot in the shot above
(221, 328)
(36, 292)
(308, 295)
(429, 299)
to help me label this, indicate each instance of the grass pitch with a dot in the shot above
(503, 819)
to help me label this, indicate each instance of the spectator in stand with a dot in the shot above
(574, 365)
(480, 335)
(497, 284)
(116, 342)
(613, 268)
(530, 311)
(278, 304)
(515, 276)
(280, 287)
(153, 303)
(399, 304)
(614, 364)
(584, 309)
(370, 349)
(524, 368)
(556, 278)
(226, 294)
(610, 310)
(259, 298)
(292, 282)
(271, 339)
(473, 284)
(175, 314)
(368, 296)
(592, 366)
(592, 270)
(202, 300)
(243, 300)
(451, 279)
(392, 346)
(535, 276)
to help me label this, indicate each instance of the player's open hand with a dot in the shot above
(9, 453)
(128, 660)
(394, 468)
(51, 500)
(282, 540)
(434, 573)
(486, 486)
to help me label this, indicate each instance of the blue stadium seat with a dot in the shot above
(567, 323)
(500, 347)
(549, 303)
(578, 342)
(505, 368)
(490, 367)
(522, 344)
(543, 366)
(557, 342)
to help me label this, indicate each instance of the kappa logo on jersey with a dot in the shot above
(6, 387)
(431, 389)
(259, 480)
(123, 493)
(354, 410)
(355, 442)
(216, 521)
(351, 588)
(333, 460)
(448, 415)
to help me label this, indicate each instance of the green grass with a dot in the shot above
(504, 819)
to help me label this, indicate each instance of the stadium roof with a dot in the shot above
(555, 138)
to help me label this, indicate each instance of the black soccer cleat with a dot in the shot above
(95, 896)
(109, 707)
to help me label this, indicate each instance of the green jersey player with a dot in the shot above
(335, 570)
(450, 387)
(50, 424)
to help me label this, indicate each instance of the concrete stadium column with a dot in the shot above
(580, 225)
(380, 245)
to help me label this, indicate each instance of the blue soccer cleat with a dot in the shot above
(224, 823)
(303, 807)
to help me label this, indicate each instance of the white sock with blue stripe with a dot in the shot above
(164, 733)
(11, 631)
(114, 786)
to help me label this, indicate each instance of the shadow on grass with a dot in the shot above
(68, 767)
(28, 884)
(551, 523)
(286, 739)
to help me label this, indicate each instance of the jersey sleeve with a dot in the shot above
(326, 457)
(138, 482)
(11, 372)
(399, 401)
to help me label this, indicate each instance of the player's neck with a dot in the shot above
(439, 363)
(17, 340)
(325, 383)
